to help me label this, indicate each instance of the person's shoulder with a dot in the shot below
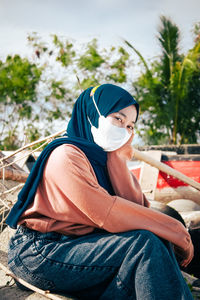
(66, 160)
(69, 156)
(68, 151)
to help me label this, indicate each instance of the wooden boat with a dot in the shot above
(12, 172)
(169, 188)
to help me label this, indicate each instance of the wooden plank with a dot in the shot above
(149, 175)
(180, 157)
(11, 172)
(179, 149)
(168, 194)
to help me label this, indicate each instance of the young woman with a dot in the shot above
(84, 226)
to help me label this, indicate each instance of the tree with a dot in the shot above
(18, 81)
(38, 93)
(97, 65)
(168, 90)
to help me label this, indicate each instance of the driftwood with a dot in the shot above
(33, 144)
(28, 285)
(14, 173)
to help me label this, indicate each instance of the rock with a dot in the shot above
(184, 205)
(167, 210)
(194, 267)
(194, 285)
(189, 210)
(5, 236)
(192, 219)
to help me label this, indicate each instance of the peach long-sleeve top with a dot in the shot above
(70, 200)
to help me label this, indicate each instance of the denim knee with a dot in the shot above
(147, 244)
(148, 236)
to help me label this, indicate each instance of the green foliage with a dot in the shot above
(168, 91)
(10, 141)
(111, 65)
(24, 111)
(18, 80)
(120, 67)
(196, 31)
(37, 94)
(55, 115)
(66, 52)
(58, 91)
(89, 81)
(32, 133)
(169, 36)
(91, 59)
(37, 44)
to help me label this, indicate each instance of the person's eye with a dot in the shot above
(131, 128)
(118, 119)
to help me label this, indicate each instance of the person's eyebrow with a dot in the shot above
(125, 116)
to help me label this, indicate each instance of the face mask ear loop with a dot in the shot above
(96, 105)
(89, 121)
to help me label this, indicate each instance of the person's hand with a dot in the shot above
(126, 151)
(184, 256)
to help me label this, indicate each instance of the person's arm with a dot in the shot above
(126, 215)
(73, 175)
(124, 183)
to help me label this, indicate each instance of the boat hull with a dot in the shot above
(169, 188)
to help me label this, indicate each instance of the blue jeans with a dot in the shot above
(100, 265)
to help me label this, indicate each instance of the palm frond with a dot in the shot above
(140, 56)
(169, 37)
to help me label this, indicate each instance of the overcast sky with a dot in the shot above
(108, 20)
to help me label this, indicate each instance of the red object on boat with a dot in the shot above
(183, 158)
(189, 168)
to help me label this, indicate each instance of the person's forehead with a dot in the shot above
(129, 112)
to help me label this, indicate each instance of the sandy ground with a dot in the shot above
(9, 290)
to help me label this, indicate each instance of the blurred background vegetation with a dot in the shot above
(37, 93)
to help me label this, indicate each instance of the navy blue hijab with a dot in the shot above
(109, 98)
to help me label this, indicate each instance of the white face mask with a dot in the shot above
(108, 136)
